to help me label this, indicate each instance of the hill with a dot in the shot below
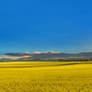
(47, 56)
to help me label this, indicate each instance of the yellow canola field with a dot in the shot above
(46, 77)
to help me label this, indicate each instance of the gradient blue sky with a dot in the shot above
(65, 25)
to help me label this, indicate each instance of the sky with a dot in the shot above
(63, 25)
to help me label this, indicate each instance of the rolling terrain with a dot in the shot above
(46, 76)
(47, 56)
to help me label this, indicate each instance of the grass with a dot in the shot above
(46, 76)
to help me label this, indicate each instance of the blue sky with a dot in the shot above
(65, 25)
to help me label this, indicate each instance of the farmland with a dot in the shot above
(46, 76)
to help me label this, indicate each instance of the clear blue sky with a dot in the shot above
(46, 24)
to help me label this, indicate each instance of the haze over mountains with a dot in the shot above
(52, 55)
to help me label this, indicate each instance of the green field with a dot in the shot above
(46, 76)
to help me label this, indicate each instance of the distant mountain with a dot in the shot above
(48, 56)
(17, 54)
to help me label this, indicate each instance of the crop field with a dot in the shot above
(46, 76)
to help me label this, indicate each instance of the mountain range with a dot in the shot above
(46, 56)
